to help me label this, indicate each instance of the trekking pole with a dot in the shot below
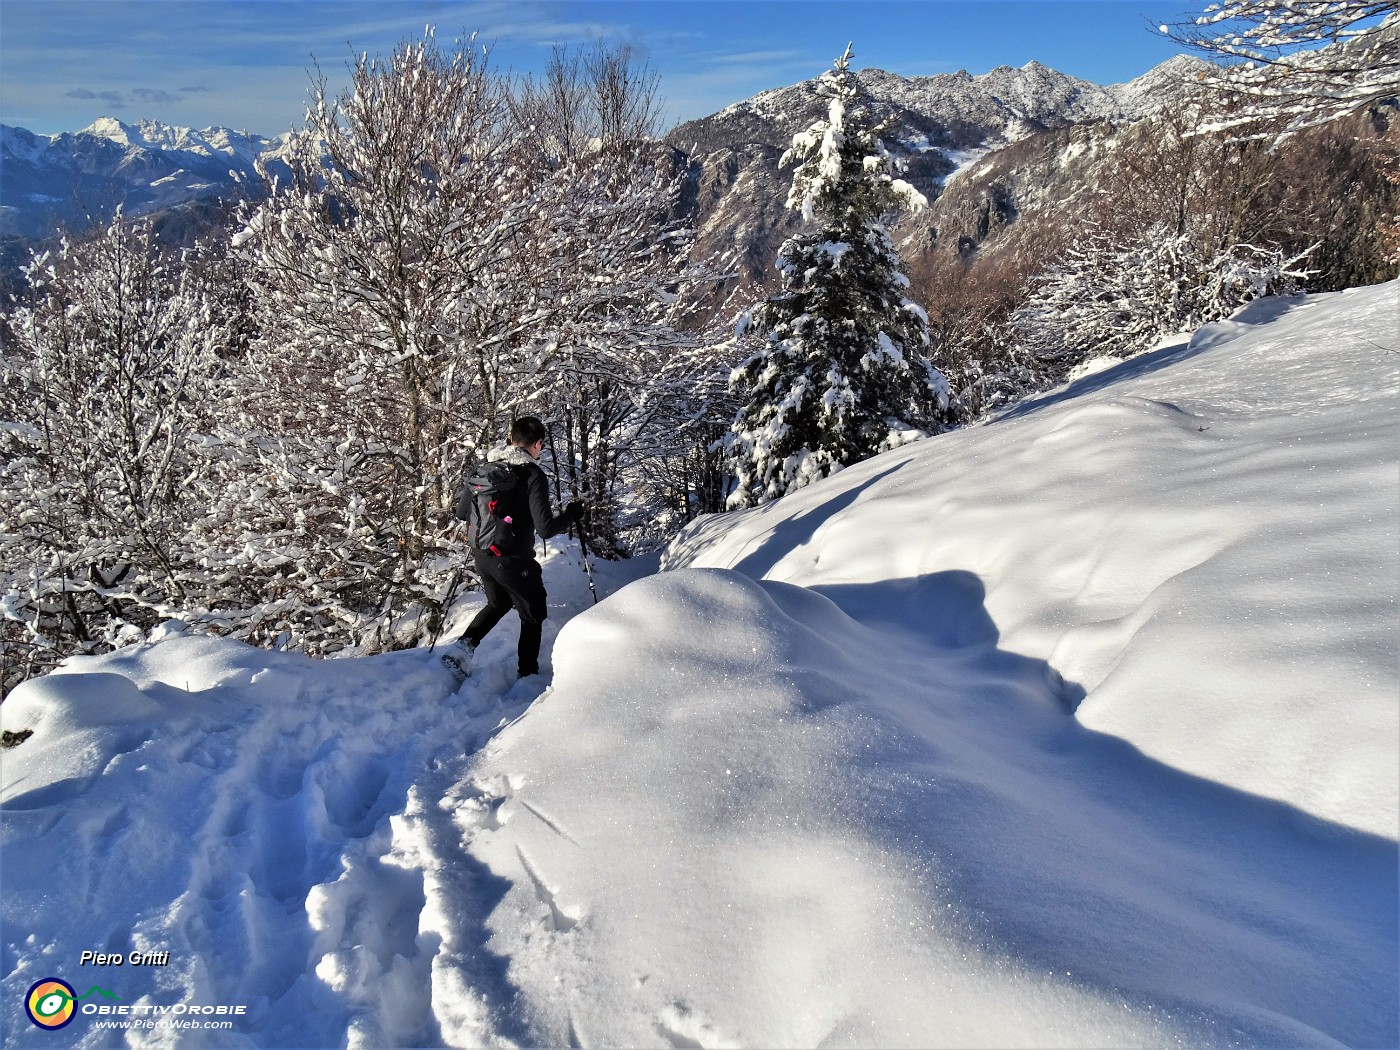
(583, 552)
(446, 605)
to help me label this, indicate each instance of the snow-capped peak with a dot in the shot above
(109, 128)
(22, 145)
(154, 135)
(1160, 85)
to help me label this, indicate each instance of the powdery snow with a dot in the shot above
(1078, 728)
(1202, 539)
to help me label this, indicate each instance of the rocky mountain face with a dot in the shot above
(956, 132)
(980, 148)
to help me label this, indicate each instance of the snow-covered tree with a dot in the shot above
(1321, 187)
(1108, 297)
(1297, 63)
(614, 274)
(842, 373)
(448, 254)
(585, 100)
(611, 324)
(110, 376)
(969, 302)
(397, 263)
(685, 470)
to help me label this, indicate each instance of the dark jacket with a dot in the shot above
(534, 501)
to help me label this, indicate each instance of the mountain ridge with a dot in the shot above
(76, 179)
(938, 125)
(187, 176)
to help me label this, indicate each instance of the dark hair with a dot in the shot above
(527, 430)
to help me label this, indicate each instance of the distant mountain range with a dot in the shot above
(735, 191)
(940, 125)
(955, 111)
(48, 181)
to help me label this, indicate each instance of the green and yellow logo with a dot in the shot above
(52, 1003)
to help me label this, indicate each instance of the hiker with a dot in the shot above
(506, 563)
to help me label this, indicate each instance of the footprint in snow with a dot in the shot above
(682, 1027)
(562, 919)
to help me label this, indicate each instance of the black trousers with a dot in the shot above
(511, 583)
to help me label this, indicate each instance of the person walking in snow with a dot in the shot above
(509, 502)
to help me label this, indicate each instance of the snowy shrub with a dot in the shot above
(607, 344)
(612, 359)
(685, 471)
(111, 372)
(1108, 297)
(969, 302)
(842, 372)
(290, 547)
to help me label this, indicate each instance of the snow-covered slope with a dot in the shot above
(1160, 86)
(1078, 728)
(1231, 498)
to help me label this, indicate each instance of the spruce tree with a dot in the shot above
(843, 372)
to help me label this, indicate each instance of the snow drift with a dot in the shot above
(1078, 728)
(1201, 540)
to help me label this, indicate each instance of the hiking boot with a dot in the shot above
(458, 659)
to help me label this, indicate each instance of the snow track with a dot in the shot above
(259, 817)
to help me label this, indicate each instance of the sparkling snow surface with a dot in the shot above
(1076, 729)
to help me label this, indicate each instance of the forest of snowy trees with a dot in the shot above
(260, 435)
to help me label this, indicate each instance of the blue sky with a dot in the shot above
(243, 63)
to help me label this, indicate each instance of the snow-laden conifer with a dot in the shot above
(843, 372)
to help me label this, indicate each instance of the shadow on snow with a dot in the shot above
(1080, 855)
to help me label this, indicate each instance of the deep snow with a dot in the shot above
(1078, 728)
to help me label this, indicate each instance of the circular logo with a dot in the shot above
(49, 1003)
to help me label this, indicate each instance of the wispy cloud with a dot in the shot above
(154, 95)
(114, 99)
(746, 58)
(119, 100)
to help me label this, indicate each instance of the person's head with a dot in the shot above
(528, 433)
